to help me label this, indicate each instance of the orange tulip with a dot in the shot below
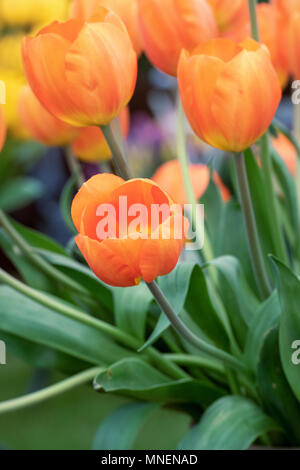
(287, 7)
(293, 35)
(126, 9)
(83, 73)
(91, 146)
(271, 27)
(124, 255)
(229, 14)
(2, 128)
(42, 125)
(169, 177)
(230, 92)
(287, 152)
(171, 25)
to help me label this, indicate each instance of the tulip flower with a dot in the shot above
(31, 12)
(83, 73)
(287, 151)
(42, 125)
(126, 9)
(287, 7)
(229, 91)
(169, 177)
(2, 128)
(169, 26)
(293, 26)
(229, 14)
(91, 146)
(120, 250)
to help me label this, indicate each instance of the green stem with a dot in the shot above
(72, 312)
(189, 336)
(253, 18)
(37, 260)
(178, 325)
(74, 166)
(203, 362)
(271, 202)
(183, 159)
(257, 258)
(49, 392)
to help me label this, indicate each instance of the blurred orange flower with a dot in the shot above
(170, 26)
(83, 73)
(2, 128)
(126, 9)
(287, 152)
(229, 15)
(230, 92)
(119, 259)
(91, 146)
(169, 177)
(42, 125)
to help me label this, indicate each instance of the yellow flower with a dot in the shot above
(10, 52)
(30, 12)
(14, 82)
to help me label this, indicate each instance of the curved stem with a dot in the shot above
(273, 212)
(257, 258)
(110, 330)
(49, 392)
(203, 362)
(253, 18)
(74, 166)
(119, 156)
(37, 260)
(207, 253)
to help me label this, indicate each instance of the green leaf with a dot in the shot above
(186, 287)
(66, 202)
(131, 307)
(231, 423)
(136, 379)
(212, 200)
(19, 192)
(237, 297)
(27, 319)
(275, 391)
(266, 318)
(37, 240)
(120, 429)
(289, 332)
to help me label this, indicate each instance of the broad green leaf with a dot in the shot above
(186, 287)
(27, 319)
(136, 379)
(131, 307)
(120, 429)
(289, 331)
(19, 192)
(231, 423)
(239, 300)
(214, 207)
(66, 202)
(266, 318)
(38, 240)
(275, 391)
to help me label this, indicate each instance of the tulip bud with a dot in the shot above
(42, 125)
(229, 14)
(83, 73)
(91, 146)
(229, 91)
(169, 26)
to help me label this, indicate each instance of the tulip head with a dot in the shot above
(83, 73)
(2, 128)
(41, 125)
(229, 91)
(30, 12)
(169, 26)
(229, 14)
(91, 146)
(126, 9)
(122, 235)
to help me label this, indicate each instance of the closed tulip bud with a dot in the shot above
(42, 125)
(230, 92)
(229, 14)
(2, 128)
(287, 7)
(120, 236)
(126, 9)
(31, 12)
(91, 146)
(169, 26)
(83, 73)
(293, 31)
(169, 178)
